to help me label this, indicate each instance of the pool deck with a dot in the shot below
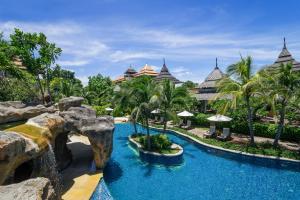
(79, 181)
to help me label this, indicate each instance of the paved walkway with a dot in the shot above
(239, 138)
(79, 180)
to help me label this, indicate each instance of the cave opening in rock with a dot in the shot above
(23, 172)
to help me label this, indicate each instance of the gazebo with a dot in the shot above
(207, 90)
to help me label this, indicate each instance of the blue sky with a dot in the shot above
(106, 36)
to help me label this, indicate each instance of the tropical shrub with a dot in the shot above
(158, 142)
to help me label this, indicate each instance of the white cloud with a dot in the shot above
(73, 62)
(84, 80)
(119, 56)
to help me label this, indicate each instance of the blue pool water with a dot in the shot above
(205, 174)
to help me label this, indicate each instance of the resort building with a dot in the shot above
(129, 73)
(146, 70)
(207, 90)
(286, 57)
(165, 74)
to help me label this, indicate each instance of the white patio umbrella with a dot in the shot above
(156, 111)
(185, 114)
(109, 109)
(219, 118)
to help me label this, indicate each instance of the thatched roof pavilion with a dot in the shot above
(207, 90)
(286, 57)
(165, 74)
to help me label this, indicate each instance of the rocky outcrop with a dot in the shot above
(58, 136)
(100, 134)
(16, 111)
(14, 150)
(74, 116)
(68, 102)
(32, 189)
(34, 144)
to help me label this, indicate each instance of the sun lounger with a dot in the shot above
(180, 123)
(161, 120)
(188, 125)
(211, 132)
(225, 135)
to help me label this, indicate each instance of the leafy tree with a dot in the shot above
(241, 87)
(99, 90)
(189, 85)
(7, 56)
(37, 55)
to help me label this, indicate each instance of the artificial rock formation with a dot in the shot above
(15, 149)
(28, 143)
(68, 102)
(16, 111)
(99, 131)
(32, 189)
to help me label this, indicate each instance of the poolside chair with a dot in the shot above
(225, 135)
(211, 132)
(180, 123)
(161, 120)
(188, 125)
(156, 118)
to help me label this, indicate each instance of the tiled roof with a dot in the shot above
(212, 78)
(146, 70)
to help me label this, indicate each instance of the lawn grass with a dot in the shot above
(266, 149)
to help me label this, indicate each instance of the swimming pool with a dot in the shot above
(204, 174)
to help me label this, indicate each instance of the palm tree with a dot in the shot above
(241, 87)
(167, 96)
(125, 101)
(280, 85)
(142, 93)
(136, 96)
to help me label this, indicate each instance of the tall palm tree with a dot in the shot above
(167, 96)
(281, 85)
(241, 87)
(125, 101)
(142, 92)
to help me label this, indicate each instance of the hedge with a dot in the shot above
(290, 133)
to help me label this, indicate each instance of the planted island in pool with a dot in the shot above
(161, 149)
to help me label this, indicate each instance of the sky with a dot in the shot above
(106, 36)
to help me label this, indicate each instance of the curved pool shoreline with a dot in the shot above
(201, 160)
(260, 156)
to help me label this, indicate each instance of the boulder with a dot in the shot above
(14, 104)
(68, 102)
(13, 113)
(31, 189)
(74, 116)
(100, 133)
(58, 136)
(14, 150)
(53, 122)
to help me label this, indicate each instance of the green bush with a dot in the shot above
(158, 142)
(201, 119)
